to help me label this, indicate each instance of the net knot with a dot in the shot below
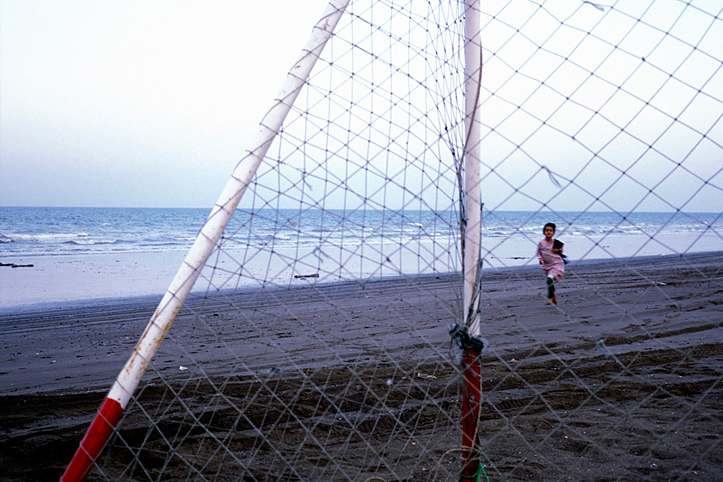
(462, 338)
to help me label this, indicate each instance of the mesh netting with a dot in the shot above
(316, 344)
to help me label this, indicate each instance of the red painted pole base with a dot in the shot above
(470, 409)
(95, 439)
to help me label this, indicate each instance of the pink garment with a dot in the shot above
(552, 263)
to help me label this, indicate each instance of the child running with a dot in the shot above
(551, 261)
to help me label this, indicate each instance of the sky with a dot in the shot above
(152, 104)
(135, 103)
(623, 103)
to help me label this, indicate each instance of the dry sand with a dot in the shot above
(622, 381)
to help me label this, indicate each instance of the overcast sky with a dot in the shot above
(152, 104)
(137, 103)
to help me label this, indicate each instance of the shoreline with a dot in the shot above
(140, 290)
(54, 281)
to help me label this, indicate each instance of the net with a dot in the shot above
(315, 345)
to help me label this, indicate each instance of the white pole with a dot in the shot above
(224, 208)
(472, 241)
(472, 199)
(120, 393)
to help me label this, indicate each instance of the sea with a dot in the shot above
(59, 231)
(83, 255)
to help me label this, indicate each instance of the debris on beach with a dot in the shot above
(13, 265)
(425, 376)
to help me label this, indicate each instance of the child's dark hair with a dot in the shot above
(550, 225)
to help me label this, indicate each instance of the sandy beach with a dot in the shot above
(622, 381)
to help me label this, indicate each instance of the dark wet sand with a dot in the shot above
(623, 381)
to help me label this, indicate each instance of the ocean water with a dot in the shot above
(70, 255)
(30, 231)
(34, 231)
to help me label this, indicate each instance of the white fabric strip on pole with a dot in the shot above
(167, 310)
(472, 179)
